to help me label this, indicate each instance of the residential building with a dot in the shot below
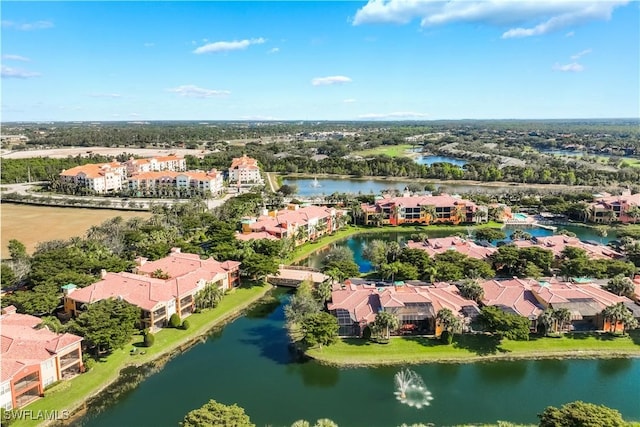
(300, 223)
(97, 177)
(513, 296)
(190, 182)
(443, 244)
(356, 306)
(607, 208)
(154, 164)
(160, 288)
(293, 276)
(33, 357)
(422, 210)
(244, 171)
(558, 243)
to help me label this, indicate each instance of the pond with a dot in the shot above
(248, 363)
(308, 187)
(429, 160)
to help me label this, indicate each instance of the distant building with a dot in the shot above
(244, 171)
(299, 223)
(558, 243)
(607, 208)
(33, 357)
(189, 182)
(421, 210)
(97, 177)
(154, 164)
(443, 244)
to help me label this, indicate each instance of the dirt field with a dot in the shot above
(105, 151)
(32, 224)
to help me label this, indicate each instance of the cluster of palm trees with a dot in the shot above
(554, 320)
(619, 314)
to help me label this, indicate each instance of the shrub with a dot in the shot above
(149, 339)
(174, 320)
(185, 324)
(88, 362)
(446, 337)
(366, 333)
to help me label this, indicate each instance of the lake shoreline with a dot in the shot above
(560, 355)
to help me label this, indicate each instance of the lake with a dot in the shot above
(32, 224)
(308, 187)
(248, 363)
(429, 160)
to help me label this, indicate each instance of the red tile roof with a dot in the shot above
(513, 294)
(443, 244)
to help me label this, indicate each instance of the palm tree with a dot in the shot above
(460, 215)
(386, 321)
(428, 213)
(562, 316)
(448, 321)
(548, 320)
(634, 213)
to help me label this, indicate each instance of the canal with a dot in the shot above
(248, 363)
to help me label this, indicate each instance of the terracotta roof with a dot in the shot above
(255, 235)
(443, 244)
(442, 200)
(244, 162)
(178, 264)
(23, 344)
(301, 275)
(558, 243)
(93, 170)
(554, 292)
(513, 295)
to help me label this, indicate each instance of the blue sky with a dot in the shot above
(313, 60)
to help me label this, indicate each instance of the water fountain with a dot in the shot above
(315, 183)
(411, 390)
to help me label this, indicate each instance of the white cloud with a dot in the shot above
(540, 16)
(216, 47)
(573, 67)
(580, 54)
(398, 115)
(274, 50)
(570, 34)
(16, 73)
(191, 91)
(15, 58)
(349, 101)
(105, 95)
(38, 25)
(330, 80)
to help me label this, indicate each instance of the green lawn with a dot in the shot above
(634, 163)
(387, 150)
(68, 395)
(467, 348)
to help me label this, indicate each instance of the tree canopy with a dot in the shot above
(214, 414)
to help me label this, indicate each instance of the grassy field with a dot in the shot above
(633, 163)
(387, 150)
(72, 394)
(469, 348)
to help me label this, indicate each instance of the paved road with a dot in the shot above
(25, 188)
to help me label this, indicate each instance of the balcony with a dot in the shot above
(69, 359)
(26, 383)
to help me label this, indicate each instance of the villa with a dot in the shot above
(513, 296)
(159, 288)
(356, 306)
(33, 357)
(422, 210)
(457, 244)
(558, 243)
(624, 208)
(300, 223)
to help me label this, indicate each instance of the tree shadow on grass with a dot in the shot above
(480, 344)
(601, 336)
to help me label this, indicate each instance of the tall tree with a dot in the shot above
(620, 285)
(385, 322)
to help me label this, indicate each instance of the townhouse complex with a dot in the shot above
(356, 302)
(298, 223)
(33, 357)
(422, 210)
(624, 208)
(160, 288)
(160, 176)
